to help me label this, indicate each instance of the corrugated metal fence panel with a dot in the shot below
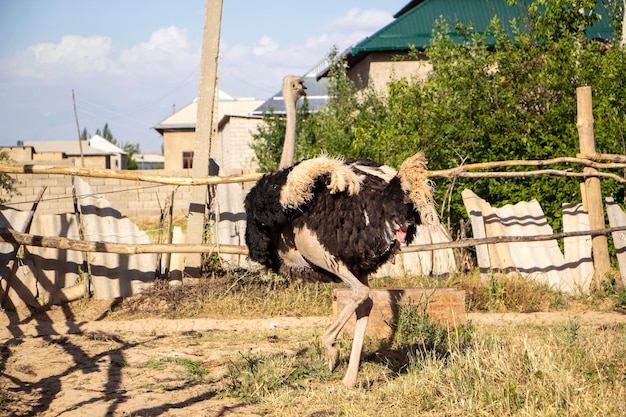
(230, 222)
(473, 206)
(443, 259)
(438, 262)
(578, 248)
(113, 275)
(19, 290)
(541, 261)
(55, 269)
(618, 218)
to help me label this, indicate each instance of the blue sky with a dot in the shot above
(130, 61)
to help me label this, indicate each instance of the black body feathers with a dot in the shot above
(356, 228)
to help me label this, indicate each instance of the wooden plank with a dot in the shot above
(445, 305)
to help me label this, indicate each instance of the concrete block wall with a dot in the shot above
(137, 200)
(233, 149)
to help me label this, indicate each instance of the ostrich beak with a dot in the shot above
(401, 233)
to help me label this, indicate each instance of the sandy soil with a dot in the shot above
(69, 361)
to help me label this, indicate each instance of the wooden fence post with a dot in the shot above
(593, 193)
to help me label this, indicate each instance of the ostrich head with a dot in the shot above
(293, 89)
(417, 187)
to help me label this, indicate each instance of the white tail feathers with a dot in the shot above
(298, 188)
(414, 181)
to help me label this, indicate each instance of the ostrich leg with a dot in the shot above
(360, 303)
(362, 314)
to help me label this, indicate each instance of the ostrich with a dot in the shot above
(337, 220)
(293, 89)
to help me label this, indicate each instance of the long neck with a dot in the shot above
(289, 147)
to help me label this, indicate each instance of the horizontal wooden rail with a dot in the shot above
(618, 162)
(126, 175)
(18, 238)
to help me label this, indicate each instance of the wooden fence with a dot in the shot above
(591, 161)
(59, 243)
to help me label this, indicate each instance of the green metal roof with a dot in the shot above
(414, 23)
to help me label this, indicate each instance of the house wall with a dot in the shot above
(19, 153)
(94, 162)
(26, 155)
(174, 144)
(377, 69)
(46, 156)
(234, 146)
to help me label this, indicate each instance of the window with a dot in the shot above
(187, 160)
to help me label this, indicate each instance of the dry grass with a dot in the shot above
(154, 229)
(247, 293)
(565, 369)
(231, 294)
(520, 370)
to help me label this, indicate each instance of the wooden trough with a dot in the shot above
(445, 305)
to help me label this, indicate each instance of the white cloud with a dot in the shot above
(166, 53)
(263, 64)
(164, 44)
(235, 53)
(361, 20)
(265, 46)
(72, 55)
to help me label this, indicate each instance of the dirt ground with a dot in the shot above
(75, 361)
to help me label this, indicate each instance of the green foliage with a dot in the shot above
(253, 375)
(7, 183)
(516, 100)
(417, 336)
(613, 289)
(84, 134)
(128, 147)
(195, 369)
(131, 149)
(107, 134)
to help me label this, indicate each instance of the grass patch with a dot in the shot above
(193, 369)
(231, 294)
(247, 293)
(255, 376)
(154, 230)
(564, 369)
(508, 292)
(417, 336)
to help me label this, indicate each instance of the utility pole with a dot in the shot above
(205, 120)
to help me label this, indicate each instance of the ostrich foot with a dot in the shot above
(333, 356)
(349, 380)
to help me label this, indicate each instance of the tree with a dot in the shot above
(131, 149)
(107, 134)
(7, 183)
(514, 100)
(84, 134)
